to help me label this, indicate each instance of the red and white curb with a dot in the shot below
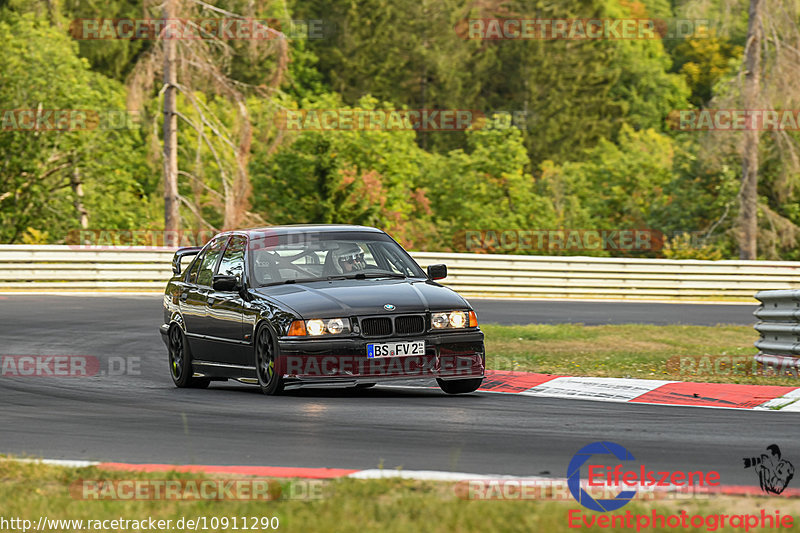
(272, 471)
(648, 391)
(372, 473)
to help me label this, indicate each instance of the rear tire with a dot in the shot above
(266, 355)
(459, 386)
(180, 361)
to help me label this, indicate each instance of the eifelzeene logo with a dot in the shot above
(774, 472)
(574, 476)
(604, 476)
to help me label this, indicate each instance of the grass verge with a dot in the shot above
(30, 491)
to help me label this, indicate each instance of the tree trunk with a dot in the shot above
(171, 213)
(748, 198)
(241, 179)
(77, 189)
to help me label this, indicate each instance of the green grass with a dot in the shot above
(626, 351)
(29, 490)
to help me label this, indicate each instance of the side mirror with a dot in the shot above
(225, 283)
(437, 271)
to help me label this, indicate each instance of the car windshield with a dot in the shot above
(301, 257)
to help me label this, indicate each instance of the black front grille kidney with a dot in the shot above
(409, 325)
(376, 327)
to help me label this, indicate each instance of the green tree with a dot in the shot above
(355, 177)
(703, 62)
(630, 185)
(486, 187)
(38, 167)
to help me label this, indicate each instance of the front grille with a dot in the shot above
(409, 325)
(376, 327)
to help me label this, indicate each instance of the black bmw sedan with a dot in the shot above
(317, 305)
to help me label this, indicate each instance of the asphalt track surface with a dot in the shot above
(142, 417)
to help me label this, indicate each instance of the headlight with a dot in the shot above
(458, 319)
(335, 325)
(454, 320)
(439, 320)
(317, 327)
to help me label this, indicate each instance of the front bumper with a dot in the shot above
(456, 355)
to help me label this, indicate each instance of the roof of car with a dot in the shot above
(302, 228)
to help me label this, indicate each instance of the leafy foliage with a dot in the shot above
(590, 146)
(42, 71)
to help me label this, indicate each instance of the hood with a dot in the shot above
(327, 299)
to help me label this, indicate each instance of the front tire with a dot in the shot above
(266, 352)
(459, 386)
(180, 362)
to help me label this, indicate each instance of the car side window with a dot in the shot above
(191, 277)
(232, 263)
(206, 273)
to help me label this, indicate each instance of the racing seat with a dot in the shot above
(330, 267)
(266, 270)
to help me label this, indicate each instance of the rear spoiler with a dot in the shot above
(180, 254)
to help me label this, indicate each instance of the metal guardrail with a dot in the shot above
(605, 277)
(54, 267)
(779, 327)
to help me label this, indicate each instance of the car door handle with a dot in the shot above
(211, 300)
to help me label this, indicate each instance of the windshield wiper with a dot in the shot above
(290, 281)
(362, 275)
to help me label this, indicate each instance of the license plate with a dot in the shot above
(392, 349)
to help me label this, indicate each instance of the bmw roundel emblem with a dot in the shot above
(389, 307)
